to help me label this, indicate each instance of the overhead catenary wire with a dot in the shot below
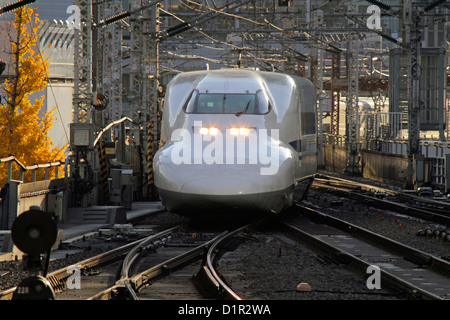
(15, 5)
(245, 50)
(207, 12)
(186, 25)
(213, 39)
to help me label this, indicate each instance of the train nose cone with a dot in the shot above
(256, 185)
(218, 186)
(219, 192)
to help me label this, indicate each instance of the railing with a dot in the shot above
(435, 153)
(338, 140)
(33, 167)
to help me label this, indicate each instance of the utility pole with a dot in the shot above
(318, 82)
(411, 24)
(144, 85)
(82, 98)
(137, 110)
(112, 66)
(411, 17)
(82, 128)
(150, 85)
(135, 89)
(353, 162)
(335, 94)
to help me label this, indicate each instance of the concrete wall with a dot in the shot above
(58, 96)
(380, 166)
(50, 195)
(384, 167)
(334, 158)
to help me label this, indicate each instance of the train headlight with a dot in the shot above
(234, 131)
(244, 131)
(213, 131)
(239, 131)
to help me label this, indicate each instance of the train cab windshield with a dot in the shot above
(228, 103)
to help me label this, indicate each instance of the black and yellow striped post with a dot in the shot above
(150, 161)
(103, 170)
(159, 119)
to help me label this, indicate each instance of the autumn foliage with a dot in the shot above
(23, 132)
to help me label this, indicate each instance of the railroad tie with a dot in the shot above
(56, 284)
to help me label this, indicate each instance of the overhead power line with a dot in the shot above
(15, 5)
(123, 15)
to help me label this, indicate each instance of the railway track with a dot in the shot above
(59, 278)
(159, 268)
(142, 263)
(137, 285)
(404, 203)
(402, 268)
(133, 284)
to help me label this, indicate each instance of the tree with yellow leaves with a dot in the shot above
(23, 132)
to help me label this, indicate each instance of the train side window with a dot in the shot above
(308, 123)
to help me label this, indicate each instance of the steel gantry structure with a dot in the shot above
(144, 86)
(82, 130)
(82, 98)
(110, 79)
(144, 71)
(353, 165)
(411, 16)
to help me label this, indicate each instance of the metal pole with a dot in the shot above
(353, 166)
(414, 148)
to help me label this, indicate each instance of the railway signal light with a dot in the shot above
(34, 288)
(101, 102)
(34, 232)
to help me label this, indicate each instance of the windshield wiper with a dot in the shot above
(245, 110)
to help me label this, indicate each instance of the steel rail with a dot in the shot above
(134, 284)
(403, 208)
(435, 264)
(399, 194)
(217, 285)
(7, 294)
(222, 288)
(59, 277)
(143, 278)
(358, 263)
(134, 253)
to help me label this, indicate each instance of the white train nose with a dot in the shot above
(220, 185)
(189, 185)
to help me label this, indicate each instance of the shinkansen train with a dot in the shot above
(236, 138)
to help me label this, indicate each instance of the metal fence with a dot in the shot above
(46, 166)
